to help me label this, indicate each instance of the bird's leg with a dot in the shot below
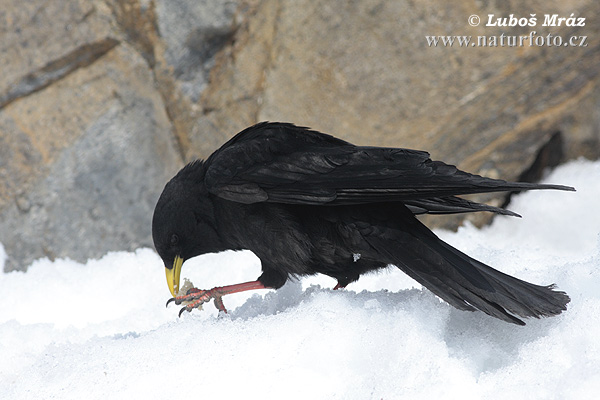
(339, 286)
(197, 297)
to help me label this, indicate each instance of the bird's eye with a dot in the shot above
(174, 239)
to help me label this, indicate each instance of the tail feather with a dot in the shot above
(466, 283)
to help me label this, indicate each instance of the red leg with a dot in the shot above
(197, 297)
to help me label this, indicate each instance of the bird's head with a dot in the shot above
(182, 227)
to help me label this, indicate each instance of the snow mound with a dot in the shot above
(101, 330)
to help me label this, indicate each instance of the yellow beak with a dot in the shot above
(173, 275)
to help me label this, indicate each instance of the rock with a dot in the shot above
(363, 71)
(193, 33)
(99, 192)
(86, 148)
(102, 102)
(57, 69)
(192, 36)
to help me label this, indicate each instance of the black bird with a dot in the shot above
(305, 202)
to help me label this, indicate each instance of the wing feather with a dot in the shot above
(283, 163)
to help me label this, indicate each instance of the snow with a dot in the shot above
(101, 330)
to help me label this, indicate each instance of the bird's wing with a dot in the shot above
(283, 163)
(451, 205)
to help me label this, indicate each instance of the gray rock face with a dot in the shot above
(193, 32)
(101, 102)
(100, 190)
(86, 143)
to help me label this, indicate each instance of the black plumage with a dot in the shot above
(305, 202)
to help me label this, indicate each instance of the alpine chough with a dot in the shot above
(305, 202)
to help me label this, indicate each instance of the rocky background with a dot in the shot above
(102, 101)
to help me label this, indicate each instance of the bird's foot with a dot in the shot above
(195, 298)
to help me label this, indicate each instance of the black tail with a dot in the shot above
(464, 282)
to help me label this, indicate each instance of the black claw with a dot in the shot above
(219, 304)
(170, 300)
(182, 310)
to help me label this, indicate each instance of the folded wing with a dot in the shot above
(283, 163)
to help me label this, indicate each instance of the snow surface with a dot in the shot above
(101, 330)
